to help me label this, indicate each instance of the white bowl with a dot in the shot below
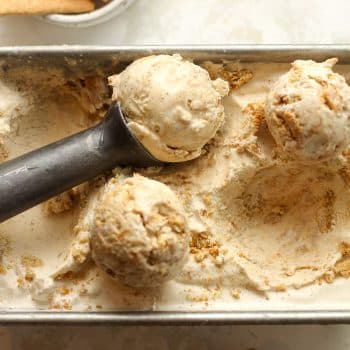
(102, 14)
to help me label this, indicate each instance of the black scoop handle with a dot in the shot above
(41, 174)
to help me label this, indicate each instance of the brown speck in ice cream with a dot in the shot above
(31, 261)
(236, 293)
(66, 200)
(203, 245)
(64, 290)
(29, 276)
(236, 77)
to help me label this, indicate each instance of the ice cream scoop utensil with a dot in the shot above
(41, 174)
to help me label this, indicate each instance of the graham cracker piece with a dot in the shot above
(30, 7)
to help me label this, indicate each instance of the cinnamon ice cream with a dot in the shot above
(308, 111)
(139, 233)
(267, 228)
(172, 106)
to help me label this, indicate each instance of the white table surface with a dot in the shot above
(190, 22)
(198, 21)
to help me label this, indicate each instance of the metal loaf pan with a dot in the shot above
(85, 59)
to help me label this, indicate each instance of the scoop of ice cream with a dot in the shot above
(172, 106)
(140, 234)
(308, 111)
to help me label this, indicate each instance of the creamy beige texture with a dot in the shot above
(308, 111)
(260, 226)
(172, 106)
(12, 105)
(139, 233)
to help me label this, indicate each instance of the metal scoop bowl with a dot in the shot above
(41, 174)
